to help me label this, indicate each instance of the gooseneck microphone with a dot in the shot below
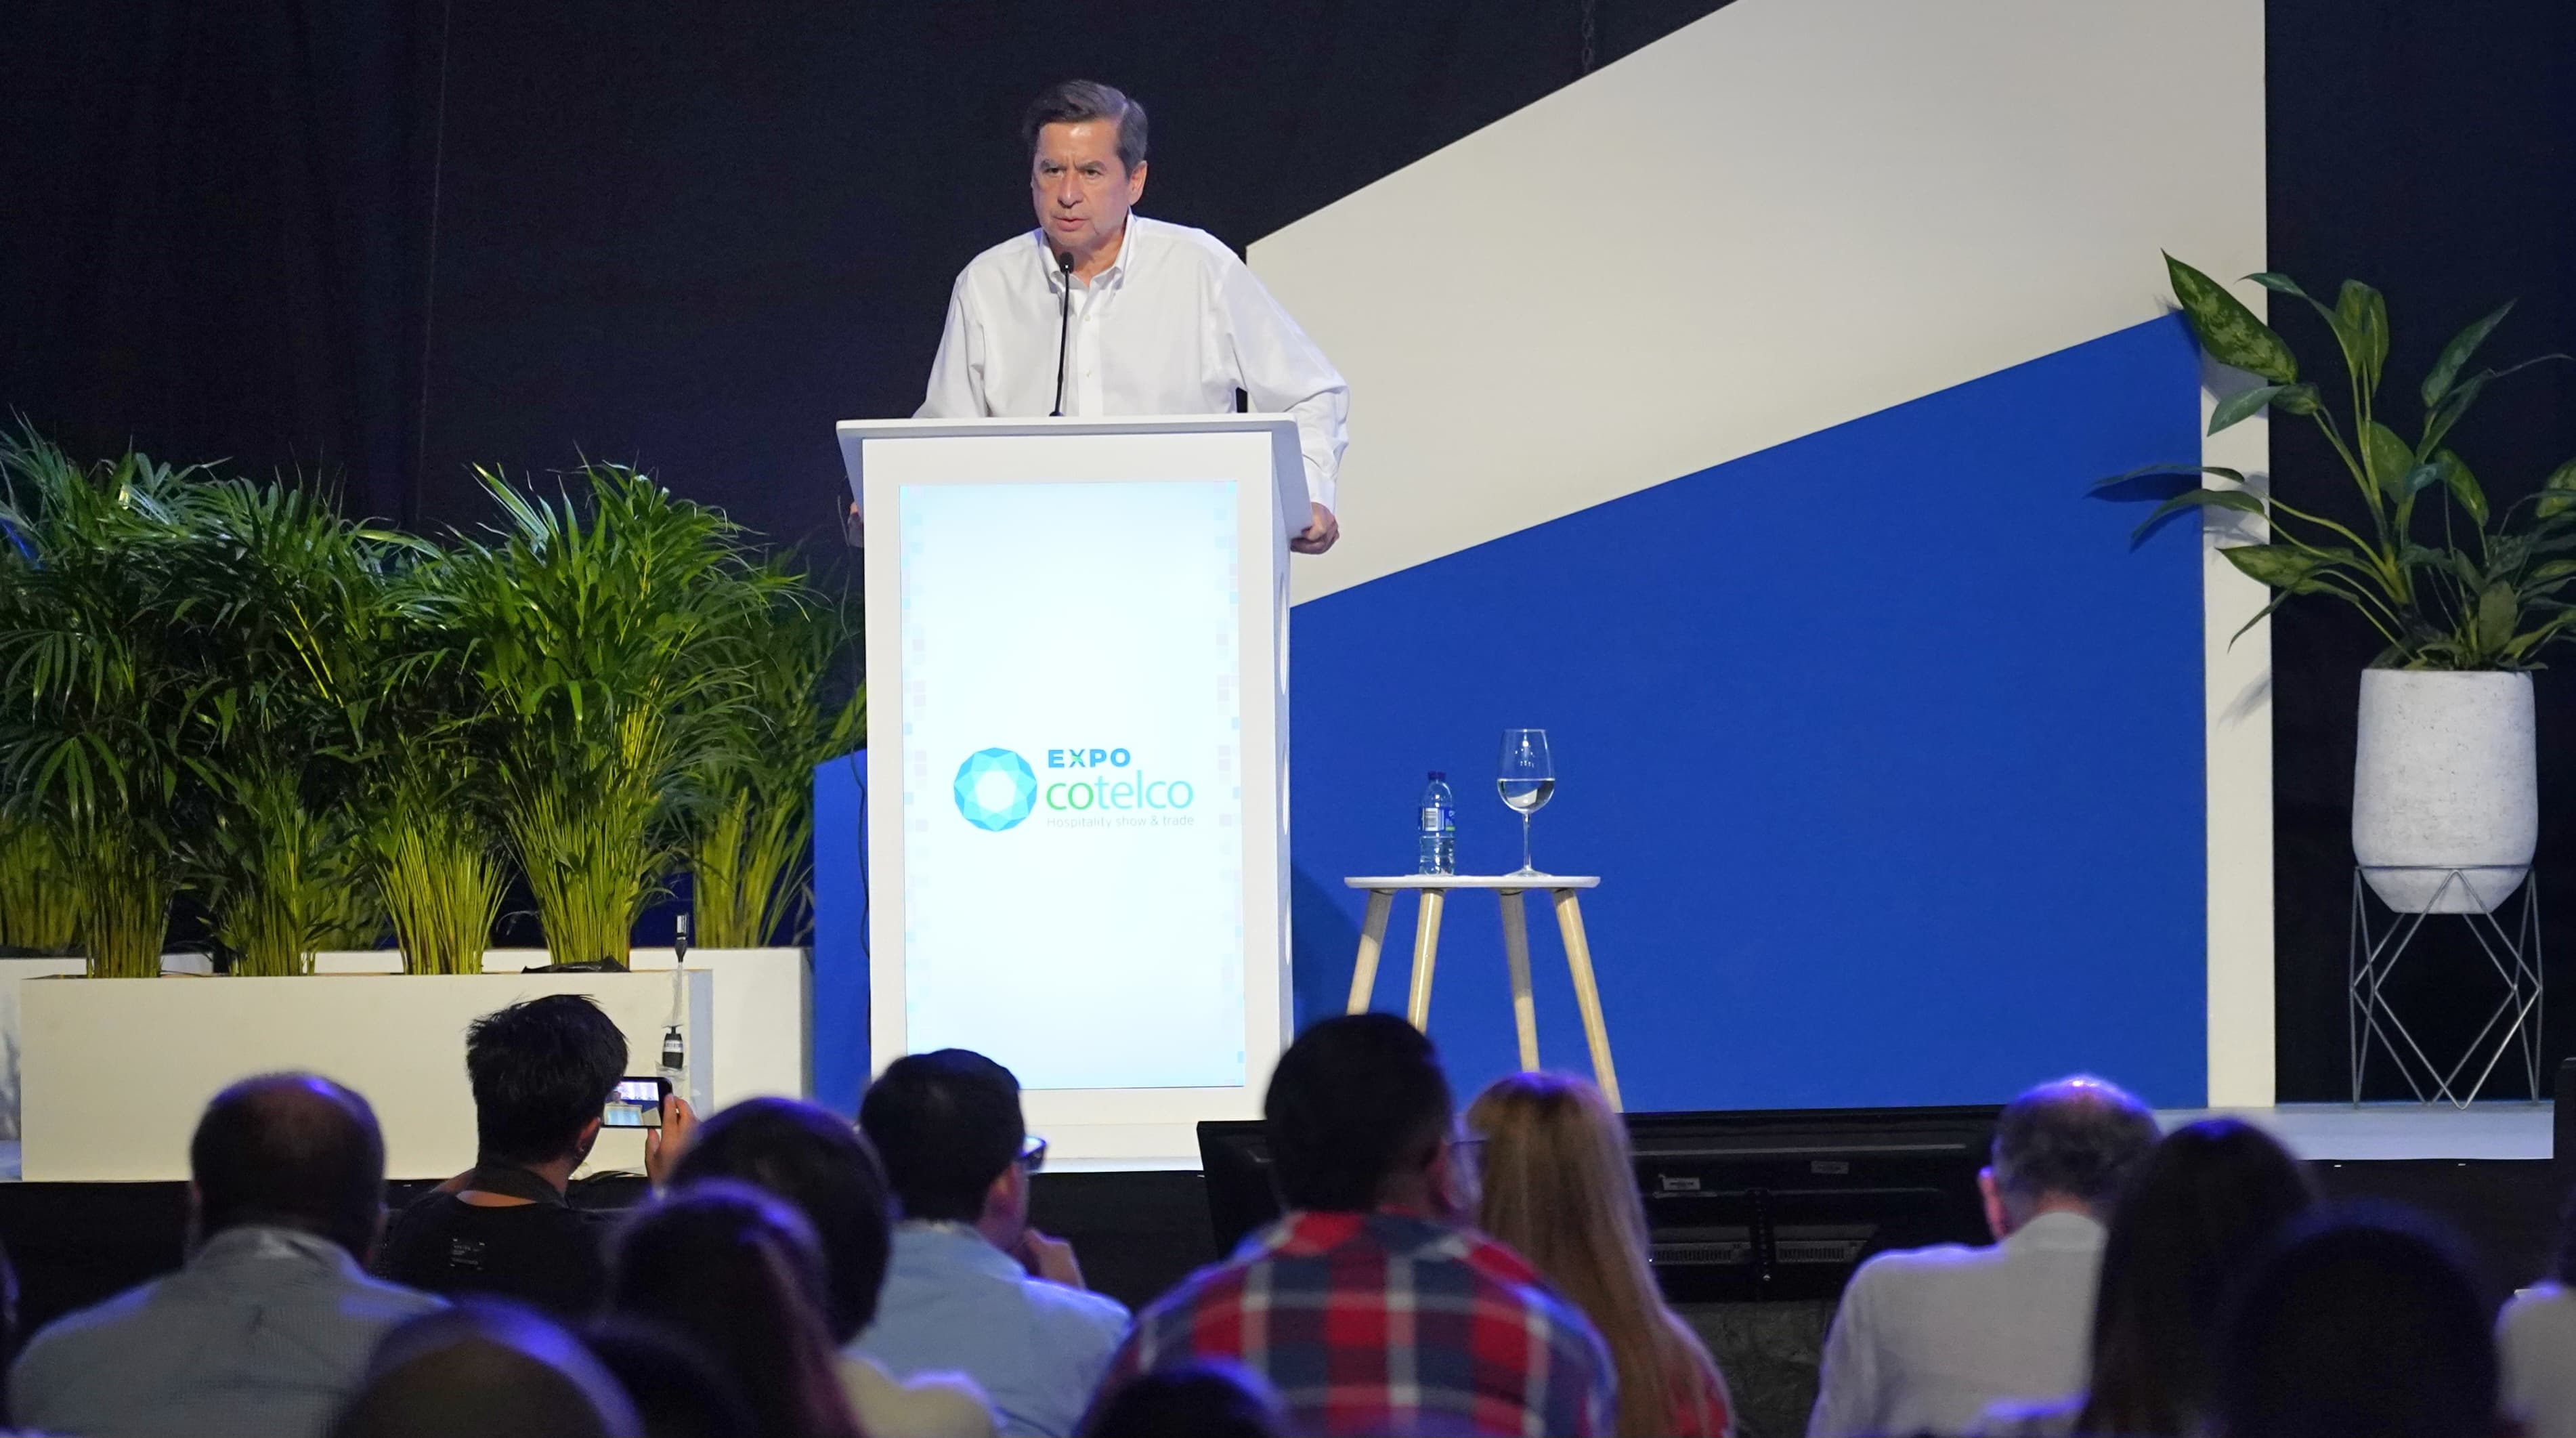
(1063, 326)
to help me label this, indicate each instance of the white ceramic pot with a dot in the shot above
(2446, 777)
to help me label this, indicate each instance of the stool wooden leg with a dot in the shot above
(1372, 939)
(1516, 954)
(1426, 949)
(1587, 995)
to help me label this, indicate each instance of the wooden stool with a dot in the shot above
(1508, 888)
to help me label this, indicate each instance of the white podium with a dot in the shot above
(1077, 659)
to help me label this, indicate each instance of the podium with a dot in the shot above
(1077, 769)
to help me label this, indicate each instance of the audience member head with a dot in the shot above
(737, 1273)
(488, 1369)
(824, 1169)
(2064, 1146)
(947, 1126)
(2207, 1200)
(1358, 1116)
(2359, 1324)
(1210, 1398)
(542, 1072)
(678, 1391)
(289, 1150)
(1557, 1186)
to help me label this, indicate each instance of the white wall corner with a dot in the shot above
(2236, 696)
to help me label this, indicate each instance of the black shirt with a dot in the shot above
(545, 1252)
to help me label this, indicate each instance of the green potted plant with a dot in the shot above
(2466, 595)
(605, 633)
(425, 811)
(294, 641)
(39, 907)
(753, 827)
(95, 640)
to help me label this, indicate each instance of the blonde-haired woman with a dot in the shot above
(1560, 1190)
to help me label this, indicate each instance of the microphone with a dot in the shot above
(1063, 326)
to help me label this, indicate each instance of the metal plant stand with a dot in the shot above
(2511, 946)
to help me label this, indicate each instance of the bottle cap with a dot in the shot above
(1439, 774)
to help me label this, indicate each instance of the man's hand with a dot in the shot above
(1049, 1258)
(1319, 536)
(663, 1146)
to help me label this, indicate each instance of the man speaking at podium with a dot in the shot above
(1103, 313)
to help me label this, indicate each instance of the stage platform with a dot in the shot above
(2330, 1132)
(2318, 1132)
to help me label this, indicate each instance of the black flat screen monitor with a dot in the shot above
(1741, 1206)
(1784, 1203)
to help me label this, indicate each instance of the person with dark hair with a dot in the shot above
(2362, 1322)
(819, 1165)
(973, 1288)
(740, 1275)
(1926, 1339)
(489, 1370)
(1100, 311)
(2536, 1335)
(1214, 1399)
(678, 1391)
(268, 1327)
(1373, 1306)
(542, 1072)
(2206, 1202)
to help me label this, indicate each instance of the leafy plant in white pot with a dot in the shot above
(2446, 809)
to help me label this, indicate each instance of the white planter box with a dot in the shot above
(12, 972)
(113, 1072)
(2445, 779)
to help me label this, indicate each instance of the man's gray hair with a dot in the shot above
(1074, 101)
(2079, 1138)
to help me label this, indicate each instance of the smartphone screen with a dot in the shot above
(636, 1103)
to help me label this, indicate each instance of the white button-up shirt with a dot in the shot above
(1175, 326)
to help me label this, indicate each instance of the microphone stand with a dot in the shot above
(1063, 326)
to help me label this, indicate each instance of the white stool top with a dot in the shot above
(1507, 882)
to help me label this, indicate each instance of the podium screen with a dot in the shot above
(1072, 801)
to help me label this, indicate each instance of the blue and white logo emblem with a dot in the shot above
(995, 789)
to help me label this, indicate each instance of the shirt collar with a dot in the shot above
(2061, 1230)
(1109, 278)
(256, 1243)
(509, 1180)
(958, 1243)
(1309, 1232)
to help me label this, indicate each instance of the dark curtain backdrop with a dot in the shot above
(2431, 151)
(389, 239)
(380, 240)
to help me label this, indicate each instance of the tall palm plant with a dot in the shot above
(296, 642)
(426, 814)
(750, 844)
(96, 683)
(606, 633)
(39, 908)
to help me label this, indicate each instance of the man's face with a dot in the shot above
(1081, 191)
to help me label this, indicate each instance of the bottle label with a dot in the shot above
(1436, 820)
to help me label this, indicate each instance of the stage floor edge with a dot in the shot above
(2324, 1132)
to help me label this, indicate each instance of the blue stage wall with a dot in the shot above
(1886, 747)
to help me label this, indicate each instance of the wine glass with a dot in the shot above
(1527, 780)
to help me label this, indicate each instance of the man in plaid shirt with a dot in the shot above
(1372, 1307)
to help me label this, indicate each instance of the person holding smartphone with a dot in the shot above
(545, 1075)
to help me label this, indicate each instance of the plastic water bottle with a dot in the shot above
(1438, 849)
